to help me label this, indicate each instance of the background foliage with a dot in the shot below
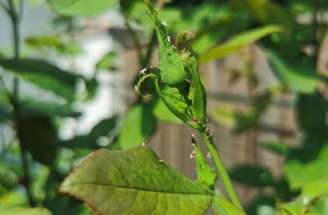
(37, 160)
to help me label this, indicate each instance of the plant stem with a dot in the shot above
(220, 167)
(15, 104)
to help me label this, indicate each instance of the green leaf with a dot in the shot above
(251, 175)
(49, 109)
(138, 124)
(266, 12)
(103, 127)
(206, 175)
(314, 190)
(306, 118)
(44, 75)
(4, 113)
(25, 211)
(45, 41)
(39, 135)
(237, 43)
(299, 173)
(108, 61)
(277, 146)
(134, 182)
(81, 7)
(224, 207)
(298, 80)
(162, 113)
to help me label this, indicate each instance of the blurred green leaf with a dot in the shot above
(108, 61)
(44, 75)
(43, 41)
(301, 80)
(138, 124)
(4, 113)
(25, 211)
(314, 190)
(49, 109)
(162, 113)
(265, 11)
(232, 119)
(103, 127)
(299, 173)
(38, 135)
(69, 49)
(261, 205)
(81, 7)
(224, 207)
(238, 42)
(277, 146)
(307, 119)
(134, 181)
(251, 175)
(80, 141)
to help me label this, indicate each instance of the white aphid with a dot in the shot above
(136, 88)
(169, 38)
(208, 155)
(143, 72)
(163, 23)
(161, 161)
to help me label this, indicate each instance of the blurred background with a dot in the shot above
(67, 89)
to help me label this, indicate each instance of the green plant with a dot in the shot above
(136, 180)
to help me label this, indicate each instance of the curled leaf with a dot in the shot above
(176, 105)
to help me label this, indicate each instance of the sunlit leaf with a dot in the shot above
(298, 80)
(299, 173)
(237, 43)
(313, 190)
(224, 207)
(81, 7)
(108, 61)
(134, 182)
(138, 124)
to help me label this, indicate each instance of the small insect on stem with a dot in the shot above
(193, 138)
(196, 120)
(143, 72)
(163, 23)
(136, 88)
(168, 38)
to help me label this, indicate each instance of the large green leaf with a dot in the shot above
(134, 182)
(299, 173)
(25, 211)
(298, 80)
(224, 207)
(138, 124)
(44, 75)
(81, 7)
(237, 43)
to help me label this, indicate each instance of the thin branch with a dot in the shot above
(14, 100)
